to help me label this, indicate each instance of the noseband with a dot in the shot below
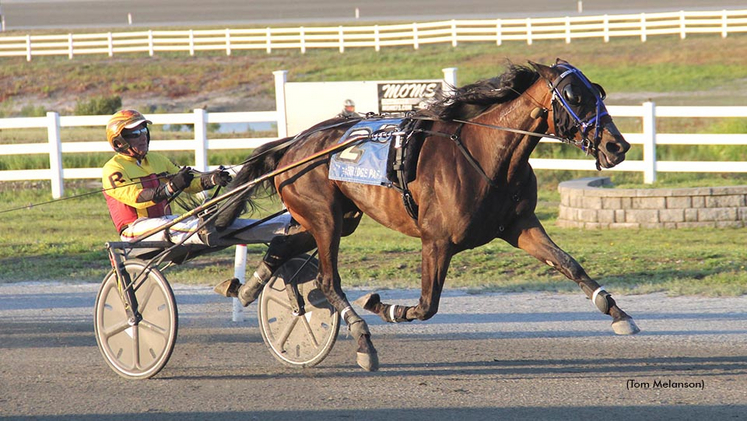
(567, 127)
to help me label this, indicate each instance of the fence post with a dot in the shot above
(269, 40)
(377, 38)
(151, 48)
(498, 32)
(70, 46)
(415, 41)
(342, 39)
(606, 28)
(450, 76)
(28, 47)
(683, 26)
(302, 39)
(228, 42)
(649, 142)
(55, 154)
(643, 27)
(201, 140)
(191, 42)
(281, 76)
(453, 33)
(529, 31)
(239, 272)
(724, 27)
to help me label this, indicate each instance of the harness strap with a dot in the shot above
(463, 149)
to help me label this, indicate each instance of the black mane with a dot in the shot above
(471, 100)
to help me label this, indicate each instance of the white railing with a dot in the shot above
(201, 145)
(650, 139)
(641, 25)
(54, 147)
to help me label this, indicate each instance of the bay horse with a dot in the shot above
(473, 183)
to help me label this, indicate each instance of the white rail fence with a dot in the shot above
(201, 144)
(642, 25)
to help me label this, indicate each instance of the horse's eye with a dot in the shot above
(600, 91)
(572, 95)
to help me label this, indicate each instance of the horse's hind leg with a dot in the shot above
(530, 236)
(327, 227)
(280, 250)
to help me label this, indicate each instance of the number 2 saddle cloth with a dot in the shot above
(385, 156)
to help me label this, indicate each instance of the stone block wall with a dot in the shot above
(592, 203)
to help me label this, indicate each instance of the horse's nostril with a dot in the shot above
(613, 148)
(617, 147)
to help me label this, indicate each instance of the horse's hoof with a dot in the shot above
(368, 362)
(368, 301)
(229, 288)
(625, 327)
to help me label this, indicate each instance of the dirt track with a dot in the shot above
(485, 356)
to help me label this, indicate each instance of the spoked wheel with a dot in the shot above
(304, 340)
(142, 350)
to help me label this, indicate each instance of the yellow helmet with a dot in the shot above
(124, 119)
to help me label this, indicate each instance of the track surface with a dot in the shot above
(484, 356)
(28, 14)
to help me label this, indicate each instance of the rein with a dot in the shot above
(456, 138)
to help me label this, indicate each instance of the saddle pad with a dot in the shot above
(365, 162)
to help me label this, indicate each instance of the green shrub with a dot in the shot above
(32, 111)
(103, 105)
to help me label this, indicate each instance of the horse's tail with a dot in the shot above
(262, 161)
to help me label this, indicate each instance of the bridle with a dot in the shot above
(561, 90)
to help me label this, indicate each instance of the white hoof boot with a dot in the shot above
(625, 327)
(368, 362)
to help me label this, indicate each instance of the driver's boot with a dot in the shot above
(248, 292)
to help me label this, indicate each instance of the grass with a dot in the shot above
(64, 241)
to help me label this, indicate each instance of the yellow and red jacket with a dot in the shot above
(125, 179)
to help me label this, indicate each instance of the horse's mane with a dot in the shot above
(471, 100)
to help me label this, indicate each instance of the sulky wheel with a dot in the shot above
(297, 340)
(142, 350)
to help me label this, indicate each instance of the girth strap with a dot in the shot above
(399, 166)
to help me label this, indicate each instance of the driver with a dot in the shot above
(348, 110)
(138, 187)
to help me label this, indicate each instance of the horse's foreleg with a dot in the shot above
(436, 258)
(532, 238)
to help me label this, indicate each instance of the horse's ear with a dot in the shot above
(543, 70)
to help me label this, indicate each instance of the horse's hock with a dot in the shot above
(592, 203)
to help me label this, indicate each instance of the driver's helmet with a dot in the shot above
(124, 119)
(349, 103)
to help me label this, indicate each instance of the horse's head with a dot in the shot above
(578, 114)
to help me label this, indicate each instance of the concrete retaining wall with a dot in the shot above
(592, 203)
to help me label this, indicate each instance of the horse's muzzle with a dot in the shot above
(612, 147)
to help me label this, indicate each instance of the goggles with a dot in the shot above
(134, 134)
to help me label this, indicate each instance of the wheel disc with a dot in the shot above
(303, 340)
(142, 350)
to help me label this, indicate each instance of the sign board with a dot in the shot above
(309, 103)
(406, 96)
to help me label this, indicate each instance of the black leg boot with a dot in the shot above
(249, 292)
